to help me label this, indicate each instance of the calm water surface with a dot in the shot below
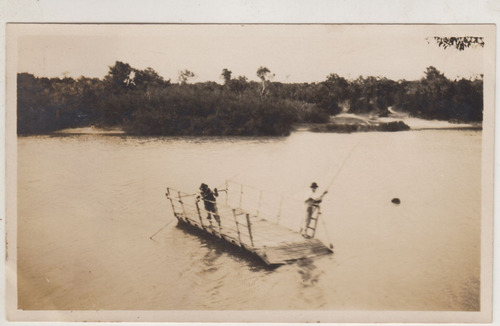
(87, 205)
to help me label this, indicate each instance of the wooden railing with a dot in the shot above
(225, 222)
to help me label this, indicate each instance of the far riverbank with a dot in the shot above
(342, 123)
(395, 121)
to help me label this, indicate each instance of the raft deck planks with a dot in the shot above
(273, 243)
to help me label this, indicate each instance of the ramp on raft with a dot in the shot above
(272, 242)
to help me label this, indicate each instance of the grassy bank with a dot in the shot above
(140, 102)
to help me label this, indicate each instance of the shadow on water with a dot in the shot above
(310, 289)
(217, 247)
(309, 272)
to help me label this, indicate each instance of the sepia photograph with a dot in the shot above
(250, 172)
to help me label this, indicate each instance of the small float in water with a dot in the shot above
(250, 223)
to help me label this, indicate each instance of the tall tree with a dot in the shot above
(226, 75)
(332, 91)
(147, 78)
(184, 76)
(239, 85)
(120, 77)
(264, 73)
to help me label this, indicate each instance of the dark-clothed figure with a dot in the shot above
(208, 197)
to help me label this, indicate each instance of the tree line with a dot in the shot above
(144, 103)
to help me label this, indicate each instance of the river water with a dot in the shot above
(88, 204)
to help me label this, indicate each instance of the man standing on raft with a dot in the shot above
(312, 202)
(208, 197)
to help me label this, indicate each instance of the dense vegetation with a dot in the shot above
(142, 102)
(348, 128)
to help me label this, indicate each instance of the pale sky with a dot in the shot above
(294, 53)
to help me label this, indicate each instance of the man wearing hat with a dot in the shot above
(312, 201)
(208, 197)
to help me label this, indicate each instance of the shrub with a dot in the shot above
(348, 128)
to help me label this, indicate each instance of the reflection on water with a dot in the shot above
(88, 204)
(310, 274)
(312, 291)
(214, 248)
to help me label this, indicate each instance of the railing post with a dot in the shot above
(279, 210)
(260, 201)
(218, 219)
(171, 202)
(237, 226)
(182, 205)
(249, 229)
(199, 214)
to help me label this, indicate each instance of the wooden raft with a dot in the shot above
(273, 243)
